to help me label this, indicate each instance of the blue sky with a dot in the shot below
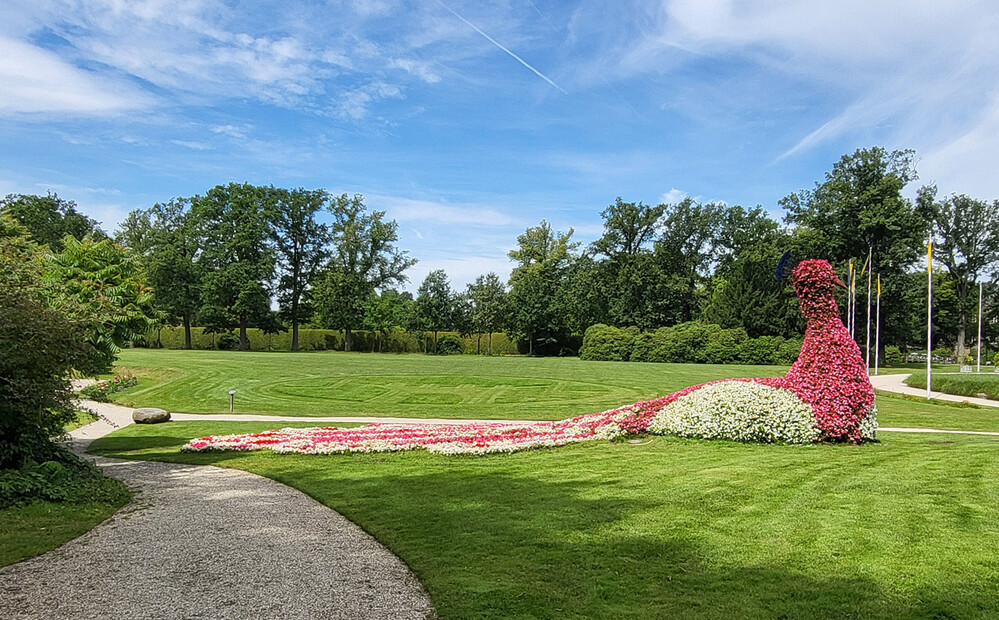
(468, 121)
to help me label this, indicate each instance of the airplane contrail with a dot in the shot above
(499, 45)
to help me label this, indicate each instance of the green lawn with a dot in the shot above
(967, 384)
(27, 531)
(907, 528)
(329, 383)
(317, 384)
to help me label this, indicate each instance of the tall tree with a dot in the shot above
(235, 223)
(860, 207)
(166, 239)
(628, 276)
(303, 246)
(50, 218)
(386, 311)
(110, 282)
(544, 257)
(488, 299)
(365, 260)
(967, 232)
(435, 303)
(685, 254)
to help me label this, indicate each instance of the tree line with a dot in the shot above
(219, 259)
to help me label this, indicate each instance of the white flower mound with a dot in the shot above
(869, 425)
(738, 410)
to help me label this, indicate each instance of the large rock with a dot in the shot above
(150, 415)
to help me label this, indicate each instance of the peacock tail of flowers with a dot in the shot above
(826, 395)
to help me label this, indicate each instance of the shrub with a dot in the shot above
(449, 344)
(740, 411)
(102, 390)
(65, 480)
(762, 350)
(893, 356)
(605, 343)
(788, 352)
(228, 342)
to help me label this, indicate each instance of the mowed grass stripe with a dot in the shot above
(331, 384)
(322, 384)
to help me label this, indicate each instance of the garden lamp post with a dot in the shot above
(232, 397)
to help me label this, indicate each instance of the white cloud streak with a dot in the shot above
(504, 49)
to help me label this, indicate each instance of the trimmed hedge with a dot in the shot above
(693, 342)
(397, 341)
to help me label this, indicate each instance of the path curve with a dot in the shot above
(896, 383)
(208, 542)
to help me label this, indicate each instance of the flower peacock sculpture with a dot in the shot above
(825, 396)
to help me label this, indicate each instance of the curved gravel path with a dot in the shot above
(207, 542)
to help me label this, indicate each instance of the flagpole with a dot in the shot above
(867, 342)
(929, 317)
(877, 330)
(980, 284)
(849, 299)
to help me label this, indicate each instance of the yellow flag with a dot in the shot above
(879, 285)
(929, 256)
(867, 263)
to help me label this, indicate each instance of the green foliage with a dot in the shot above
(893, 356)
(229, 342)
(44, 335)
(449, 344)
(365, 260)
(691, 342)
(110, 283)
(303, 246)
(102, 390)
(434, 308)
(65, 480)
(602, 342)
(49, 219)
(235, 224)
(968, 245)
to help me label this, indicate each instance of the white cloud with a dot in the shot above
(440, 214)
(460, 271)
(193, 145)
(421, 70)
(36, 81)
(673, 196)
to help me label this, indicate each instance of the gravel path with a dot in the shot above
(206, 542)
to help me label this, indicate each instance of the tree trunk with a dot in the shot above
(478, 343)
(294, 334)
(187, 331)
(244, 343)
(490, 343)
(961, 350)
(530, 345)
(346, 339)
(435, 342)
(159, 337)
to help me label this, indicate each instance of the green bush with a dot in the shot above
(68, 479)
(102, 390)
(893, 356)
(228, 342)
(788, 352)
(449, 344)
(603, 342)
(762, 350)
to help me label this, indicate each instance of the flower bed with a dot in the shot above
(102, 391)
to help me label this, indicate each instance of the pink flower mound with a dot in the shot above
(829, 375)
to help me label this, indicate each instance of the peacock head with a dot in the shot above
(814, 282)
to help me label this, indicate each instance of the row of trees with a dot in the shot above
(658, 266)
(219, 260)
